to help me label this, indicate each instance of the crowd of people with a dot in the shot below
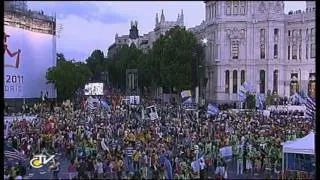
(120, 144)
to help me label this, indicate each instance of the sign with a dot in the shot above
(39, 160)
(152, 111)
(186, 93)
(134, 99)
(27, 57)
(191, 106)
(95, 89)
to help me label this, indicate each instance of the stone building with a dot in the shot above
(146, 41)
(256, 42)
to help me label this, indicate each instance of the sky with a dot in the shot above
(87, 26)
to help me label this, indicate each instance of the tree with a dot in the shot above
(68, 76)
(177, 56)
(129, 57)
(97, 64)
(251, 101)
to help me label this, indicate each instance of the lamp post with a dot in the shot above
(205, 42)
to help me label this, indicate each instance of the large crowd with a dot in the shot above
(120, 144)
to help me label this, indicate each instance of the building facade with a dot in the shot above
(256, 42)
(145, 42)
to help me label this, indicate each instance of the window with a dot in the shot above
(262, 81)
(262, 34)
(313, 50)
(275, 51)
(235, 50)
(288, 52)
(243, 7)
(294, 51)
(235, 82)
(243, 76)
(262, 51)
(307, 32)
(235, 7)
(289, 34)
(227, 81)
(276, 32)
(307, 51)
(312, 32)
(300, 32)
(299, 51)
(275, 81)
(294, 33)
(228, 9)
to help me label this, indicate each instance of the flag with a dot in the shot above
(310, 107)
(11, 153)
(248, 86)
(186, 93)
(105, 105)
(242, 96)
(213, 110)
(300, 98)
(188, 101)
(259, 101)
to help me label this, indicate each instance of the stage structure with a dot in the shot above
(30, 49)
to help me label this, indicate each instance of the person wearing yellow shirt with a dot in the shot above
(136, 159)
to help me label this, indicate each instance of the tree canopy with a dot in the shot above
(68, 76)
(177, 56)
(172, 63)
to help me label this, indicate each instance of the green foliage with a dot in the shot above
(68, 76)
(251, 101)
(177, 57)
(97, 64)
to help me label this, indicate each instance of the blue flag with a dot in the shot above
(188, 101)
(259, 101)
(213, 110)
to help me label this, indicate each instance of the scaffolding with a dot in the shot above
(16, 14)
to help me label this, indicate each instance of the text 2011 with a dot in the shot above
(14, 79)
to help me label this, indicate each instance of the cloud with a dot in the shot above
(92, 25)
(79, 37)
(86, 10)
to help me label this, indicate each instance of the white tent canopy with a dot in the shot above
(304, 145)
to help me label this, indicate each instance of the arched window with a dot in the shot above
(228, 8)
(275, 81)
(243, 7)
(235, 82)
(312, 85)
(294, 86)
(294, 52)
(243, 76)
(227, 82)
(262, 81)
(235, 7)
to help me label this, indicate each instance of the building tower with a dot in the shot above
(162, 19)
(157, 19)
(134, 32)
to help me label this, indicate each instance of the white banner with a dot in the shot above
(95, 89)
(134, 99)
(186, 93)
(152, 111)
(27, 57)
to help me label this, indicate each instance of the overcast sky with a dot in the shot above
(92, 25)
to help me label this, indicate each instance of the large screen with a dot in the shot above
(27, 57)
(95, 89)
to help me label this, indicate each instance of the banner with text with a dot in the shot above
(27, 57)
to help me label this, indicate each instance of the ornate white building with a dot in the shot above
(146, 41)
(256, 42)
